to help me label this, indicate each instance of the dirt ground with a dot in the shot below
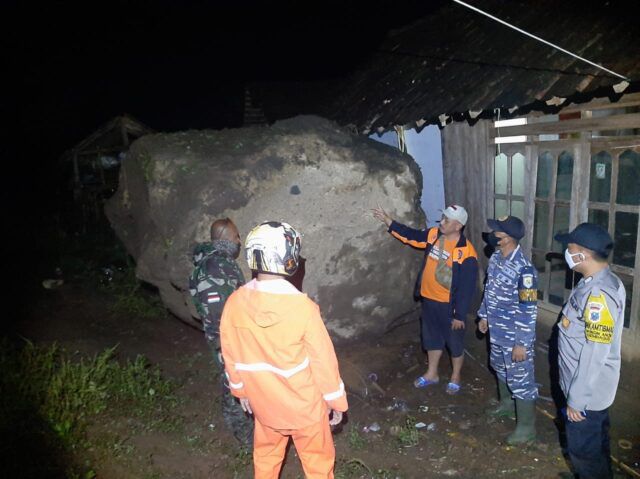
(458, 439)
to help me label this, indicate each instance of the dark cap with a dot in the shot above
(590, 236)
(511, 225)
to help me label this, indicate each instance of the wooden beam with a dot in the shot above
(632, 99)
(614, 122)
(101, 151)
(612, 142)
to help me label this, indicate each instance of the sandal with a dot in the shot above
(453, 388)
(422, 382)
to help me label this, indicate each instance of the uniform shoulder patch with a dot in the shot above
(213, 297)
(528, 285)
(599, 323)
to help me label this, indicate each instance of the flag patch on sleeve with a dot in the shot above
(213, 298)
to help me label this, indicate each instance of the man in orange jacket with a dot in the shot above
(279, 359)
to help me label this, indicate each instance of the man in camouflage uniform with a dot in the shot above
(215, 276)
(508, 311)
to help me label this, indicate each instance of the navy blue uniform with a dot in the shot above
(510, 307)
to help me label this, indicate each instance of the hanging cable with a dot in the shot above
(402, 144)
(475, 9)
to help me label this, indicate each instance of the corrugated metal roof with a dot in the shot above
(456, 60)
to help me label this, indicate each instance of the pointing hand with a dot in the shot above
(382, 216)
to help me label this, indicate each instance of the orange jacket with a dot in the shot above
(278, 354)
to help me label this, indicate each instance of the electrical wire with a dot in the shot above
(524, 32)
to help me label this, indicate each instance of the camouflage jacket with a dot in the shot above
(215, 276)
(510, 300)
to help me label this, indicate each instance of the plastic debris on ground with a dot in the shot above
(625, 444)
(373, 427)
(52, 283)
(107, 274)
(423, 408)
(420, 425)
(464, 425)
(432, 427)
(398, 404)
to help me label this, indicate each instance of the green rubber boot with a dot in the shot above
(506, 407)
(526, 426)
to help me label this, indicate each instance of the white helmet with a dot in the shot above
(273, 247)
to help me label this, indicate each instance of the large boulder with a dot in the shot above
(306, 171)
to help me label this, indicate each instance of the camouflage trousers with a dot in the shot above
(519, 376)
(237, 421)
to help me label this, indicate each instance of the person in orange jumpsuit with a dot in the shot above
(279, 359)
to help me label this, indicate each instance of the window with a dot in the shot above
(509, 180)
(600, 184)
(554, 187)
(625, 239)
(614, 204)
(629, 178)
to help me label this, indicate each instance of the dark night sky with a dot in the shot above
(178, 65)
(172, 64)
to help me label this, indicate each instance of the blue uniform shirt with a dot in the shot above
(510, 298)
(590, 335)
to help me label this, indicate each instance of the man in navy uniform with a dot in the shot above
(508, 311)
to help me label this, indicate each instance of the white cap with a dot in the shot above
(456, 212)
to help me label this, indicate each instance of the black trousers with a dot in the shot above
(588, 445)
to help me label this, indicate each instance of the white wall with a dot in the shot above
(426, 148)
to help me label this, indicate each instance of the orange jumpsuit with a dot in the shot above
(279, 356)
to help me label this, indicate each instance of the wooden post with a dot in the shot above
(76, 169)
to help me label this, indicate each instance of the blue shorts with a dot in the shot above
(436, 332)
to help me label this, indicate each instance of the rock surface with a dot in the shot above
(306, 171)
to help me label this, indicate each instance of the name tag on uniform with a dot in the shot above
(509, 272)
(574, 304)
(213, 298)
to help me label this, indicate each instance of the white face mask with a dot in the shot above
(568, 257)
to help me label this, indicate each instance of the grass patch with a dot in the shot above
(240, 462)
(101, 262)
(356, 468)
(408, 435)
(48, 393)
(130, 298)
(355, 439)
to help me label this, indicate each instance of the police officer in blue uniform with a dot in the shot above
(508, 311)
(589, 343)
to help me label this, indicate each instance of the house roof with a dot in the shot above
(457, 64)
(109, 138)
